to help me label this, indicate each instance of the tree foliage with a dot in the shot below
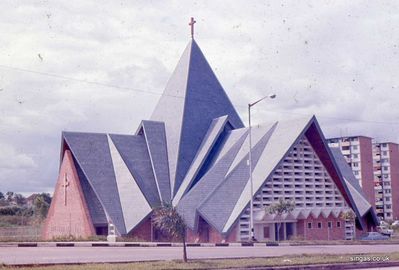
(41, 205)
(168, 220)
(348, 215)
(280, 208)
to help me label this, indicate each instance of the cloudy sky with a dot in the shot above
(101, 66)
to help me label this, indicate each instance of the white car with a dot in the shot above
(395, 223)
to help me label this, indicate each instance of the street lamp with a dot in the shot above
(251, 207)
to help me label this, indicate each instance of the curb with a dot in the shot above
(155, 244)
(136, 244)
(336, 266)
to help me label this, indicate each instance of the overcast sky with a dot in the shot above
(335, 59)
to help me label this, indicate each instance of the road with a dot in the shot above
(49, 255)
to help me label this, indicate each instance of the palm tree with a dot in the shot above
(279, 208)
(167, 219)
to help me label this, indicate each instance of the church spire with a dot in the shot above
(191, 23)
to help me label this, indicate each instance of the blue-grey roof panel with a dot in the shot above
(219, 205)
(205, 100)
(188, 205)
(156, 142)
(170, 109)
(345, 169)
(96, 211)
(133, 150)
(92, 153)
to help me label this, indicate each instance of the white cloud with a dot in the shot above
(335, 59)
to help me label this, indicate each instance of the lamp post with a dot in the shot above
(251, 207)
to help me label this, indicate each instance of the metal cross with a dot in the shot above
(191, 23)
(65, 186)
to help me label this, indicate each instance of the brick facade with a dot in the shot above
(336, 232)
(71, 217)
(207, 234)
(143, 231)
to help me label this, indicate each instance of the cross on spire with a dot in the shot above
(65, 186)
(191, 23)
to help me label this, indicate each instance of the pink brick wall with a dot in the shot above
(208, 234)
(323, 233)
(143, 231)
(72, 219)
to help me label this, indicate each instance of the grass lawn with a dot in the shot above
(222, 263)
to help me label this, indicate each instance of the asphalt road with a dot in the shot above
(49, 255)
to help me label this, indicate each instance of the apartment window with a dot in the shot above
(387, 191)
(354, 147)
(385, 168)
(355, 155)
(309, 225)
(355, 172)
(387, 199)
(355, 164)
(338, 224)
(384, 145)
(388, 215)
(345, 148)
(354, 139)
(319, 225)
(329, 224)
(388, 207)
(384, 153)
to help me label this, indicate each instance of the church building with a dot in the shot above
(193, 153)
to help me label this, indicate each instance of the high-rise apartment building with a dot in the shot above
(358, 152)
(386, 179)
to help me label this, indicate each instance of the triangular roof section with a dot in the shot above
(155, 136)
(189, 204)
(351, 181)
(217, 208)
(216, 128)
(284, 137)
(92, 153)
(129, 192)
(192, 98)
(134, 152)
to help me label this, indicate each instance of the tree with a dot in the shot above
(349, 215)
(19, 199)
(280, 208)
(10, 196)
(167, 219)
(1, 195)
(41, 205)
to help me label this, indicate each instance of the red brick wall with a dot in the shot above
(143, 231)
(72, 219)
(208, 234)
(324, 233)
(366, 160)
(394, 159)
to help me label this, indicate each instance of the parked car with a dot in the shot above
(374, 236)
(395, 223)
(384, 230)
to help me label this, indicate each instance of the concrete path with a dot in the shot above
(51, 255)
